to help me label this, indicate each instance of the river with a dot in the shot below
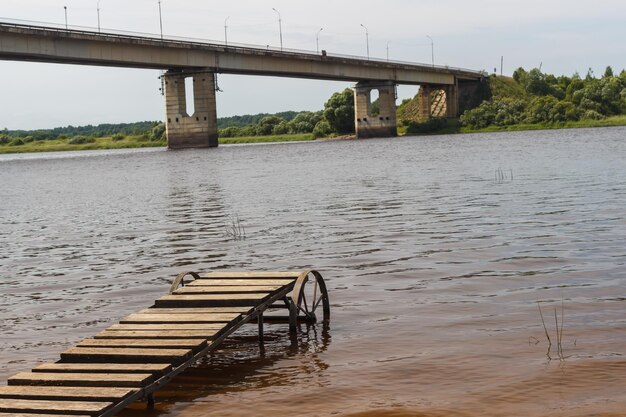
(436, 251)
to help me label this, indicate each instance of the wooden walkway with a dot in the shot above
(131, 360)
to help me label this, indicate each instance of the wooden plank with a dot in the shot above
(145, 343)
(164, 327)
(53, 407)
(180, 318)
(252, 275)
(237, 289)
(158, 334)
(158, 369)
(210, 300)
(126, 355)
(240, 282)
(39, 415)
(198, 310)
(65, 393)
(80, 379)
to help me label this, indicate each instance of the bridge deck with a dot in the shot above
(130, 360)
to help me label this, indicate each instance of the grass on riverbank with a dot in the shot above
(139, 141)
(300, 137)
(453, 126)
(59, 145)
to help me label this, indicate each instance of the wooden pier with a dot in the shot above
(131, 360)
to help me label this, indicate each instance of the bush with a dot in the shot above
(158, 132)
(339, 111)
(431, 125)
(282, 128)
(117, 137)
(4, 139)
(16, 142)
(80, 140)
(230, 132)
(322, 129)
(592, 115)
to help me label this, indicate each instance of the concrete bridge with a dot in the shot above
(441, 88)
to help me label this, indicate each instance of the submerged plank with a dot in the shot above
(106, 368)
(80, 379)
(65, 393)
(180, 318)
(52, 407)
(159, 334)
(145, 343)
(78, 354)
(227, 289)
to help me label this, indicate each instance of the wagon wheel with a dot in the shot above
(179, 281)
(310, 296)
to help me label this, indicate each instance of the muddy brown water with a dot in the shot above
(436, 251)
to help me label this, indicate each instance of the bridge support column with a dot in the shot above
(198, 130)
(425, 102)
(452, 101)
(383, 124)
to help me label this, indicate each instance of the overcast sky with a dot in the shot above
(562, 36)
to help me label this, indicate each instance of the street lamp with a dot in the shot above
(432, 49)
(317, 39)
(226, 31)
(98, 9)
(388, 42)
(280, 28)
(65, 8)
(160, 20)
(367, 40)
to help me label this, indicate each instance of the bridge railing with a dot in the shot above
(124, 34)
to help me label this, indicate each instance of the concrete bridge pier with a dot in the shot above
(368, 124)
(198, 130)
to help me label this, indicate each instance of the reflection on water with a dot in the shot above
(434, 267)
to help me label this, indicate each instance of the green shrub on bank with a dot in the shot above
(431, 125)
(545, 99)
(16, 142)
(80, 140)
(117, 137)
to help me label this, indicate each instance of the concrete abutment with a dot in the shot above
(198, 130)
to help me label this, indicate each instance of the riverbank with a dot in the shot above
(141, 141)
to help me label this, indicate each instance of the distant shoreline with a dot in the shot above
(139, 141)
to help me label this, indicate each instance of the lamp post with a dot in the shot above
(432, 50)
(388, 42)
(65, 8)
(317, 39)
(367, 40)
(280, 28)
(160, 20)
(98, 10)
(226, 31)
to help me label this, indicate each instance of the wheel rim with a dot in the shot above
(310, 296)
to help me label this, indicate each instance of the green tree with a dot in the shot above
(339, 111)
(608, 72)
(266, 125)
(281, 128)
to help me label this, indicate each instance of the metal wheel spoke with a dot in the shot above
(317, 303)
(314, 294)
(306, 305)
